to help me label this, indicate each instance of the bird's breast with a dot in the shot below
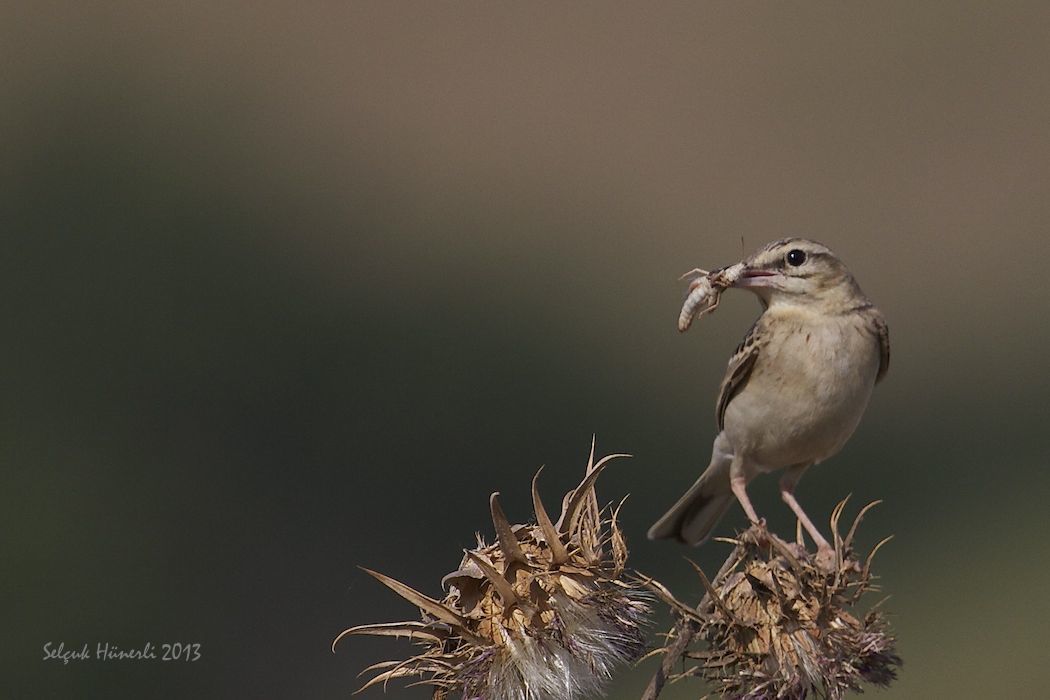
(807, 391)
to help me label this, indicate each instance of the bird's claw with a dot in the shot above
(758, 532)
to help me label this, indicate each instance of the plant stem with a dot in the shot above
(683, 632)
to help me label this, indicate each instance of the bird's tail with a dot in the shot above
(695, 515)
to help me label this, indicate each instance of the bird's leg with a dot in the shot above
(739, 485)
(738, 479)
(787, 493)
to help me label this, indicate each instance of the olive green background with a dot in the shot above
(291, 288)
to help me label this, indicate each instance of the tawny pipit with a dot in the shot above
(794, 390)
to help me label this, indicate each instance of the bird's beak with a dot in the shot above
(756, 277)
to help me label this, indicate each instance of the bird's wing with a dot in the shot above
(739, 369)
(882, 332)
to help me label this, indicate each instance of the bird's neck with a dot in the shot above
(829, 302)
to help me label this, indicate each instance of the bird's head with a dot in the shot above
(798, 271)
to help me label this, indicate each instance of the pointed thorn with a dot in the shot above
(378, 666)
(875, 549)
(423, 602)
(508, 542)
(411, 630)
(576, 496)
(856, 521)
(665, 595)
(715, 598)
(836, 515)
(559, 555)
(502, 586)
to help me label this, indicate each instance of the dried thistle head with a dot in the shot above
(543, 613)
(776, 623)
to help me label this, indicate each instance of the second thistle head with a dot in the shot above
(542, 613)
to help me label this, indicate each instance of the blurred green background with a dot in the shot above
(293, 287)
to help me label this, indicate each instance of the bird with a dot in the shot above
(795, 389)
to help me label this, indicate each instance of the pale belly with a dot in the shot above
(796, 411)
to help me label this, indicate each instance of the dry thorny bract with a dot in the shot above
(544, 613)
(775, 624)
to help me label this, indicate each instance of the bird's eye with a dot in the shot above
(796, 257)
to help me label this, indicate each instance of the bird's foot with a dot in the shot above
(758, 532)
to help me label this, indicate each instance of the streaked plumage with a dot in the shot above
(794, 390)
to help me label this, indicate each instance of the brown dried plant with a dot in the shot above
(543, 613)
(776, 623)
